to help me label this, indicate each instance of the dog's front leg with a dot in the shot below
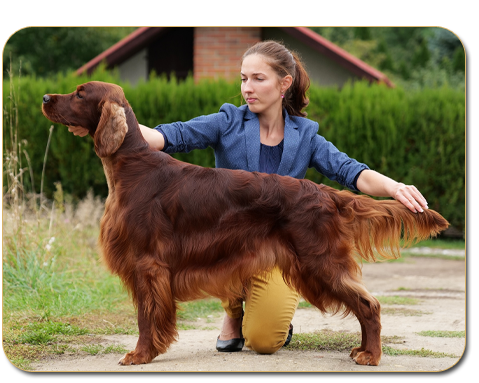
(156, 311)
(145, 351)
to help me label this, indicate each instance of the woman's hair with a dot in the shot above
(285, 62)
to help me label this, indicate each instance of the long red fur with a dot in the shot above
(177, 232)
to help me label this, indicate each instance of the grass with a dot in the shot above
(443, 334)
(305, 305)
(386, 300)
(397, 300)
(191, 311)
(402, 311)
(439, 243)
(95, 349)
(386, 310)
(344, 341)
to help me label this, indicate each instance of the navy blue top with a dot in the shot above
(270, 158)
(234, 135)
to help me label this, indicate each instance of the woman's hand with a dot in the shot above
(410, 197)
(78, 131)
(378, 185)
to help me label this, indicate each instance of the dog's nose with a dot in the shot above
(46, 99)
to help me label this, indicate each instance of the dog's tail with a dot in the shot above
(377, 226)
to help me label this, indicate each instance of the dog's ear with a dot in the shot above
(111, 130)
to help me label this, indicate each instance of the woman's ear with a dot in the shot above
(286, 82)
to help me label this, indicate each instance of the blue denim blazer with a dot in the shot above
(234, 135)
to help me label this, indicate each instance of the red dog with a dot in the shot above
(176, 232)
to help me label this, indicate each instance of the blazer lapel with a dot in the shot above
(290, 147)
(252, 140)
(253, 143)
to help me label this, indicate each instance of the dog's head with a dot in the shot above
(96, 106)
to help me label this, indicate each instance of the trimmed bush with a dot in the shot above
(416, 138)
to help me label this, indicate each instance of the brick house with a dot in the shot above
(214, 52)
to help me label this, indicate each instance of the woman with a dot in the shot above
(270, 134)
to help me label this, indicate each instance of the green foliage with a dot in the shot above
(45, 51)
(414, 137)
(412, 57)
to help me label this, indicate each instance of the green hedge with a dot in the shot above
(416, 138)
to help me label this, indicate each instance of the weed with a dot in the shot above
(402, 311)
(184, 326)
(92, 349)
(341, 341)
(325, 340)
(387, 350)
(443, 334)
(305, 305)
(199, 309)
(397, 300)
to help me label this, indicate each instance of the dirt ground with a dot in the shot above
(438, 284)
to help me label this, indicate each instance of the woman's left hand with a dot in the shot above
(410, 197)
(374, 183)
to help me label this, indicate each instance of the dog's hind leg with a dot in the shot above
(356, 350)
(156, 312)
(337, 287)
(367, 310)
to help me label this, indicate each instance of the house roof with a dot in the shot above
(141, 37)
(331, 50)
(124, 49)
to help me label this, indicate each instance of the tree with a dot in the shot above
(412, 57)
(43, 51)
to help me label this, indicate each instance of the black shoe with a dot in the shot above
(231, 345)
(290, 335)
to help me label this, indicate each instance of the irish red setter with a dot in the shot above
(176, 232)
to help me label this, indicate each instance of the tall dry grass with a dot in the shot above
(51, 263)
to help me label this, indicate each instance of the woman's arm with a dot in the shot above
(374, 183)
(153, 137)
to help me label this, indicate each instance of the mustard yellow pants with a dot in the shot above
(269, 309)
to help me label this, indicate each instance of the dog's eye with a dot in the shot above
(79, 95)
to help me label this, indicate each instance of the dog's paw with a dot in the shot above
(134, 358)
(355, 351)
(366, 358)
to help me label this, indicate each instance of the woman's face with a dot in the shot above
(260, 85)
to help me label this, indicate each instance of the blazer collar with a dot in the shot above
(253, 143)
